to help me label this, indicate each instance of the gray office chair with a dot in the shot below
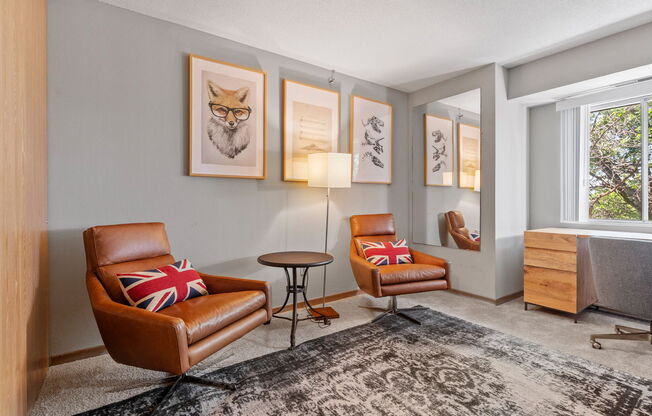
(622, 275)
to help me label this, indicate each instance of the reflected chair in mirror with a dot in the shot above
(426, 274)
(175, 338)
(621, 273)
(457, 230)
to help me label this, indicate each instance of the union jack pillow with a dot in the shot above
(383, 253)
(159, 288)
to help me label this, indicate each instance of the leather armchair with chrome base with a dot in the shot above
(179, 336)
(457, 230)
(427, 273)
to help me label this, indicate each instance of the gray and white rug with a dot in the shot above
(447, 366)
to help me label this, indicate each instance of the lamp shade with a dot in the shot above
(476, 181)
(329, 170)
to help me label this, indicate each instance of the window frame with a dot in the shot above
(583, 194)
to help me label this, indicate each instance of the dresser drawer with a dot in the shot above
(555, 289)
(550, 259)
(552, 241)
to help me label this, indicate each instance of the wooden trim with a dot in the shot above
(265, 96)
(391, 137)
(329, 298)
(507, 298)
(77, 355)
(101, 349)
(496, 302)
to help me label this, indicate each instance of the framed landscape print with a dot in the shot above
(370, 140)
(227, 119)
(311, 120)
(438, 151)
(469, 154)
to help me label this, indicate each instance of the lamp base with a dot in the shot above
(325, 313)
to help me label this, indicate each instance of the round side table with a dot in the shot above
(295, 260)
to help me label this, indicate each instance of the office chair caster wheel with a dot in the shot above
(596, 345)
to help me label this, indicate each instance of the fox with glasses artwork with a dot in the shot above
(227, 127)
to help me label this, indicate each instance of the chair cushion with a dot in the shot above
(159, 288)
(405, 273)
(206, 315)
(382, 253)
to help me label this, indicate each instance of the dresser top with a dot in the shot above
(593, 233)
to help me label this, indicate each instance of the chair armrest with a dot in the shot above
(366, 274)
(224, 284)
(138, 337)
(423, 258)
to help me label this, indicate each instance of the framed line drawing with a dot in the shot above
(438, 150)
(469, 154)
(370, 140)
(311, 121)
(227, 119)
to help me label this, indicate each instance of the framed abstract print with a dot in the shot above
(438, 150)
(227, 119)
(370, 140)
(311, 120)
(468, 145)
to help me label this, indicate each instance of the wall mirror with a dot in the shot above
(447, 174)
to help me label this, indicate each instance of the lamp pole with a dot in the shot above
(323, 292)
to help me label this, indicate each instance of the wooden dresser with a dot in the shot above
(550, 268)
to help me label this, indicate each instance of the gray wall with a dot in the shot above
(619, 52)
(118, 153)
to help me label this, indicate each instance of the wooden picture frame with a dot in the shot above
(311, 124)
(370, 140)
(469, 148)
(227, 119)
(438, 151)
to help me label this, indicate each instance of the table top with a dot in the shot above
(295, 259)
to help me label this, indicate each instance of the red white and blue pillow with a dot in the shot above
(156, 289)
(475, 236)
(383, 253)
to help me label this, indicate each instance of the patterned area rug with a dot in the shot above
(447, 366)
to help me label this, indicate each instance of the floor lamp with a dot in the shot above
(328, 170)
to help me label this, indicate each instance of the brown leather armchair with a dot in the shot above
(427, 273)
(177, 337)
(457, 230)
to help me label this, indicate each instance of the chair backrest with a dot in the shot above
(621, 271)
(372, 227)
(457, 229)
(123, 248)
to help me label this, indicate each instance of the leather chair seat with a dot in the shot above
(205, 315)
(406, 273)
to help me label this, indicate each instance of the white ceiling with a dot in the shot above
(469, 101)
(406, 44)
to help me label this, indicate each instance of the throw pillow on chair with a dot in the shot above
(157, 289)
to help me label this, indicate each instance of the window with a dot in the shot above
(614, 162)
(618, 162)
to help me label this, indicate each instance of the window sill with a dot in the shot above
(632, 226)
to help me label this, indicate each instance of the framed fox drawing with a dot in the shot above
(227, 119)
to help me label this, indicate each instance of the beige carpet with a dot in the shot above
(94, 382)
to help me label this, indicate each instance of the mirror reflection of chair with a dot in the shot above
(457, 230)
(426, 274)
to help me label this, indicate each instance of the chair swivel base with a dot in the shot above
(178, 379)
(623, 333)
(394, 310)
